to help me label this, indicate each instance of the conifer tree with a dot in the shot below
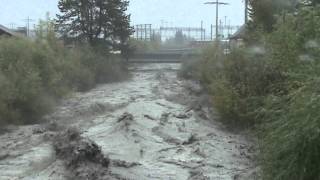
(98, 22)
(263, 12)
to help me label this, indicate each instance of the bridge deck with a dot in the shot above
(164, 56)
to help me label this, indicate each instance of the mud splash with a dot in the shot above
(154, 126)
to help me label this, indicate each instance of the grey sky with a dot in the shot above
(169, 12)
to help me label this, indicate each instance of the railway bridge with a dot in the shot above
(164, 56)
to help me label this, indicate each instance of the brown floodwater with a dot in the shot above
(156, 121)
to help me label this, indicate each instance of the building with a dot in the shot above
(237, 38)
(22, 31)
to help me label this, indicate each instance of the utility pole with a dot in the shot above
(28, 20)
(229, 27)
(225, 21)
(220, 28)
(217, 3)
(12, 25)
(211, 36)
(225, 25)
(202, 31)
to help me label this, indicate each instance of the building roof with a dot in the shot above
(4, 30)
(239, 34)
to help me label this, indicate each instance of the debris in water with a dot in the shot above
(149, 117)
(164, 118)
(124, 164)
(191, 140)
(218, 166)
(82, 157)
(126, 117)
(38, 130)
(182, 116)
(197, 175)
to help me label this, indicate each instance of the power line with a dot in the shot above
(28, 20)
(217, 3)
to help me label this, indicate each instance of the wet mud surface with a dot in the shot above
(153, 126)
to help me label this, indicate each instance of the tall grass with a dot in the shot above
(35, 74)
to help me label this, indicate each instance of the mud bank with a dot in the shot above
(153, 126)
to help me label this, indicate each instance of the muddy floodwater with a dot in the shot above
(152, 126)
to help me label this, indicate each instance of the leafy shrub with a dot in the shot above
(237, 81)
(20, 65)
(275, 86)
(34, 75)
(106, 67)
(290, 146)
(189, 69)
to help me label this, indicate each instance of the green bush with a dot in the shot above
(237, 81)
(35, 74)
(290, 148)
(290, 142)
(274, 88)
(189, 69)
(20, 64)
(106, 67)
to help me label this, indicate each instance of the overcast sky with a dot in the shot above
(187, 13)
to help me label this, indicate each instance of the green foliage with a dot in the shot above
(189, 69)
(23, 65)
(236, 81)
(98, 22)
(290, 146)
(34, 75)
(274, 87)
(263, 12)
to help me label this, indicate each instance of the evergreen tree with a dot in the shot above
(263, 12)
(180, 38)
(98, 22)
